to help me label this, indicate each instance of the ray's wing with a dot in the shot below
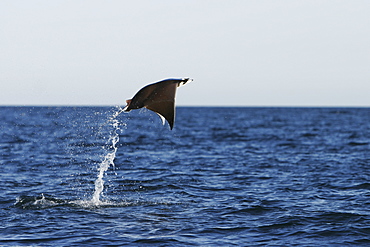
(162, 101)
(165, 110)
(138, 101)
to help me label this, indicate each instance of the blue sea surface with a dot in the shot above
(78, 176)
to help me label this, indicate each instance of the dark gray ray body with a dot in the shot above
(158, 97)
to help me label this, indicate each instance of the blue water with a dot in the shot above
(76, 176)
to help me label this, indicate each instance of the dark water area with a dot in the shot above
(75, 176)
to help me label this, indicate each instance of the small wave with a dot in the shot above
(362, 186)
(358, 143)
(338, 216)
(253, 210)
(308, 134)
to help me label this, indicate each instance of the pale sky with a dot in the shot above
(239, 52)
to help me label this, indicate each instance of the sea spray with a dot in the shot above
(108, 159)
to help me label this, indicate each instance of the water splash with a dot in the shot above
(108, 159)
(37, 202)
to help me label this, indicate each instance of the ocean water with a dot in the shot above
(78, 176)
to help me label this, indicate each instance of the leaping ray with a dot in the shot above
(158, 97)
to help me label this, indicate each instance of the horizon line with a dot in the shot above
(204, 106)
